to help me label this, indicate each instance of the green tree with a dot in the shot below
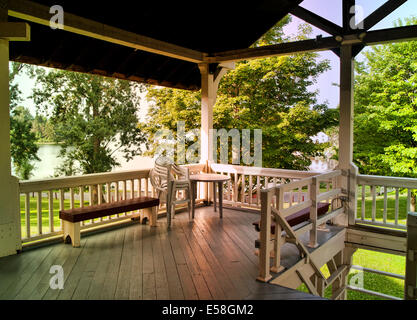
(385, 127)
(271, 94)
(93, 118)
(23, 141)
(385, 131)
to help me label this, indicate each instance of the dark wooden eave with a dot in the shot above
(162, 44)
(224, 25)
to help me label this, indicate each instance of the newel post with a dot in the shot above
(410, 283)
(265, 237)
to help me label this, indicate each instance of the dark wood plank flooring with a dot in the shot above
(205, 259)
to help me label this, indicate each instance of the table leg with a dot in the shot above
(221, 199)
(214, 197)
(169, 207)
(193, 196)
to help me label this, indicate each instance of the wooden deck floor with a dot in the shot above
(205, 259)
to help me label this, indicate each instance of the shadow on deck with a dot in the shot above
(205, 259)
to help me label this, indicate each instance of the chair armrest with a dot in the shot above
(181, 172)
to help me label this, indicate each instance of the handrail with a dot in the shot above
(258, 171)
(75, 181)
(395, 182)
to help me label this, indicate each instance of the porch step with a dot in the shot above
(330, 243)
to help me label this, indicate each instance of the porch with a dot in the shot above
(205, 259)
(210, 258)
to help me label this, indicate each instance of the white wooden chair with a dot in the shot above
(168, 179)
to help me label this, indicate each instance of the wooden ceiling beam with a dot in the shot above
(382, 12)
(281, 49)
(317, 21)
(34, 12)
(397, 34)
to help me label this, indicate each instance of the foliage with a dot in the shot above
(92, 117)
(271, 94)
(43, 128)
(386, 110)
(22, 139)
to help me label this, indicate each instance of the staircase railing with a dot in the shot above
(277, 210)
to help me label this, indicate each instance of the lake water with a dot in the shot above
(49, 161)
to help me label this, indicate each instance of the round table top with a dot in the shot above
(209, 177)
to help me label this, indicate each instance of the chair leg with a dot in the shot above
(173, 198)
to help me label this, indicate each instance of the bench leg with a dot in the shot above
(72, 230)
(152, 215)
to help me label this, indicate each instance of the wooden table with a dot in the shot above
(216, 179)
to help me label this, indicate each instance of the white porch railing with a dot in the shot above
(392, 192)
(41, 200)
(245, 185)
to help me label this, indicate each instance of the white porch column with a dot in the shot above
(209, 86)
(346, 129)
(10, 236)
(208, 99)
(346, 107)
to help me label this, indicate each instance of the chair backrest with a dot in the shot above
(164, 171)
(161, 173)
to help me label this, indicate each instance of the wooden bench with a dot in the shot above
(296, 218)
(71, 218)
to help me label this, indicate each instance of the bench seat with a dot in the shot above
(298, 217)
(71, 218)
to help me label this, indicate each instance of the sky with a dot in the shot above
(331, 10)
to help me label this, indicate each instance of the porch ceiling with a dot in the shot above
(217, 27)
